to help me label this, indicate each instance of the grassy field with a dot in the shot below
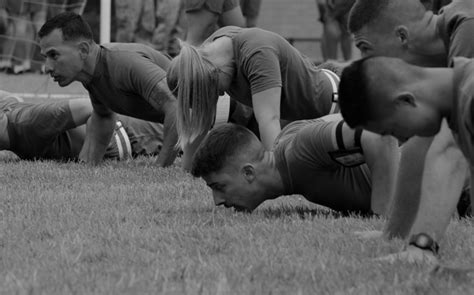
(132, 228)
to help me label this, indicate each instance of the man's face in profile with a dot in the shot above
(230, 188)
(63, 58)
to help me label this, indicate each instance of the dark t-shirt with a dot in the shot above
(306, 168)
(265, 60)
(456, 28)
(126, 80)
(461, 120)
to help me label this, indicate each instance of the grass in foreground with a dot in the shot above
(133, 228)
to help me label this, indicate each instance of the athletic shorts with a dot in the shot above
(216, 6)
(250, 8)
(47, 119)
(38, 130)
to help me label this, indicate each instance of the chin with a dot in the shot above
(64, 83)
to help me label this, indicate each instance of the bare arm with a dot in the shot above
(444, 175)
(266, 107)
(81, 110)
(382, 155)
(408, 188)
(170, 135)
(100, 128)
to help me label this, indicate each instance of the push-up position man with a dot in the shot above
(405, 29)
(56, 130)
(389, 96)
(322, 159)
(128, 79)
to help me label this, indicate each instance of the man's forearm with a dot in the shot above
(383, 158)
(408, 188)
(269, 131)
(443, 179)
(98, 135)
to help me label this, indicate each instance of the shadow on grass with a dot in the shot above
(305, 212)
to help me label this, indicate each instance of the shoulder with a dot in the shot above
(454, 14)
(131, 54)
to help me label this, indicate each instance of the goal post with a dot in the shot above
(105, 20)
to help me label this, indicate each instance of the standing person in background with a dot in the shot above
(153, 23)
(204, 16)
(333, 14)
(24, 18)
(250, 10)
(56, 7)
(170, 26)
(135, 21)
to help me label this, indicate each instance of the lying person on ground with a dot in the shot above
(322, 159)
(56, 131)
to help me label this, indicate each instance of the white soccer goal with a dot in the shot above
(105, 20)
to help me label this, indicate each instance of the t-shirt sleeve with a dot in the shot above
(314, 141)
(262, 68)
(469, 118)
(461, 40)
(144, 77)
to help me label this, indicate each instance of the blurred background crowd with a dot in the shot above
(157, 23)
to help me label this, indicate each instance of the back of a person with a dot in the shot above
(304, 147)
(126, 80)
(257, 50)
(146, 51)
(461, 121)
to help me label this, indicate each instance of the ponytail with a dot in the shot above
(194, 80)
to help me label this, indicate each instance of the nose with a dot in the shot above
(48, 68)
(218, 199)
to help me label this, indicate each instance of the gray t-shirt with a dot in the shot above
(126, 80)
(265, 60)
(302, 157)
(456, 26)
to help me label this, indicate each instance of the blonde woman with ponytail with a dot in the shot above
(255, 67)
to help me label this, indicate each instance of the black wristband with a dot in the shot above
(424, 242)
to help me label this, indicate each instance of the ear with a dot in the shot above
(406, 99)
(84, 49)
(248, 172)
(402, 34)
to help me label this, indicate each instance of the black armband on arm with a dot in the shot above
(348, 157)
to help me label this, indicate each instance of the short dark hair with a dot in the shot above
(222, 143)
(364, 12)
(354, 99)
(72, 25)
